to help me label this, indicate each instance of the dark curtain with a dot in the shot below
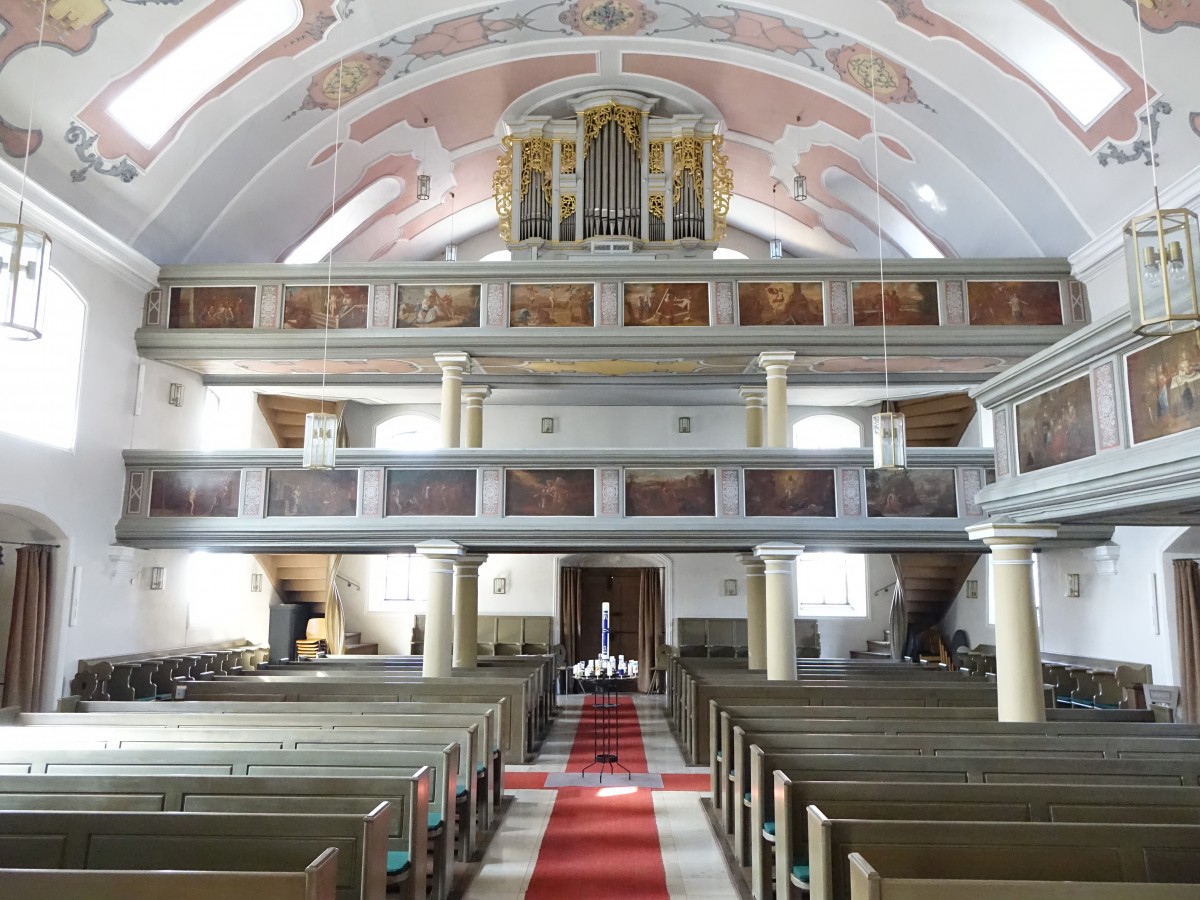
(1187, 614)
(24, 667)
(651, 628)
(571, 598)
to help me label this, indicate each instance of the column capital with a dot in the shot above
(770, 358)
(750, 394)
(440, 549)
(476, 392)
(469, 563)
(754, 565)
(451, 361)
(778, 550)
(1011, 534)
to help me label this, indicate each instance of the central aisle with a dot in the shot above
(629, 839)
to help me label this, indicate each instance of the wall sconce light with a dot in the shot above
(972, 589)
(685, 424)
(1072, 584)
(175, 394)
(158, 577)
(547, 425)
(730, 587)
(499, 585)
(256, 582)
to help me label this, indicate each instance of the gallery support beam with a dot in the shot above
(756, 610)
(453, 366)
(779, 564)
(466, 609)
(754, 398)
(776, 363)
(474, 396)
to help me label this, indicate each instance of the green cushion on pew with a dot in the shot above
(480, 769)
(769, 828)
(434, 822)
(800, 873)
(397, 861)
(719, 755)
(460, 790)
(144, 699)
(746, 798)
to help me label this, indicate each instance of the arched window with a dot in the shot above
(826, 432)
(408, 431)
(39, 380)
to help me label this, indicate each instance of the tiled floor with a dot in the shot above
(692, 860)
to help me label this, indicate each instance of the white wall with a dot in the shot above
(970, 614)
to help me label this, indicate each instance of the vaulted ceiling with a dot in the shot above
(1006, 128)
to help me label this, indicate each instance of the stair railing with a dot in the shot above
(897, 620)
(335, 618)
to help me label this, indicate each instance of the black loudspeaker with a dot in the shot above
(287, 623)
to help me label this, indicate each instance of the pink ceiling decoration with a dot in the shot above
(1167, 15)
(607, 17)
(342, 82)
(66, 27)
(1119, 123)
(114, 141)
(17, 142)
(763, 32)
(490, 90)
(456, 36)
(872, 72)
(916, 365)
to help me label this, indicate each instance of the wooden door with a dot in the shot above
(620, 589)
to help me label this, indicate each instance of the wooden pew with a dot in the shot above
(868, 884)
(487, 764)
(951, 770)
(1036, 850)
(407, 796)
(242, 688)
(960, 802)
(317, 881)
(206, 841)
(443, 769)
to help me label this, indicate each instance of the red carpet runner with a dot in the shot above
(602, 843)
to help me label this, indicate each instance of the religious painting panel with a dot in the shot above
(904, 302)
(304, 492)
(912, 493)
(549, 492)
(1014, 302)
(781, 303)
(553, 305)
(430, 492)
(666, 303)
(790, 492)
(212, 307)
(1056, 427)
(200, 493)
(670, 492)
(325, 306)
(438, 306)
(1164, 387)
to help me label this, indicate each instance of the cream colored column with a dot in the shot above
(439, 612)
(1019, 691)
(453, 365)
(754, 399)
(776, 363)
(466, 609)
(779, 564)
(475, 395)
(756, 610)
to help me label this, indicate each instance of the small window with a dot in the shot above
(826, 432)
(39, 380)
(405, 580)
(408, 432)
(831, 584)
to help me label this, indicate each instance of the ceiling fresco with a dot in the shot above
(1020, 130)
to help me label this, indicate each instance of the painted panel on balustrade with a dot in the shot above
(438, 306)
(912, 493)
(549, 492)
(904, 302)
(780, 303)
(325, 306)
(790, 492)
(212, 307)
(431, 492)
(1014, 302)
(670, 492)
(666, 303)
(303, 492)
(196, 494)
(1056, 427)
(552, 305)
(1164, 387)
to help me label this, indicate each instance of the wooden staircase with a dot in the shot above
(285, 417)
(929, 582)
(936, 421)
(354, 645)
(881, 649)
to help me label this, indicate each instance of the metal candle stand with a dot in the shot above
(606, 740)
